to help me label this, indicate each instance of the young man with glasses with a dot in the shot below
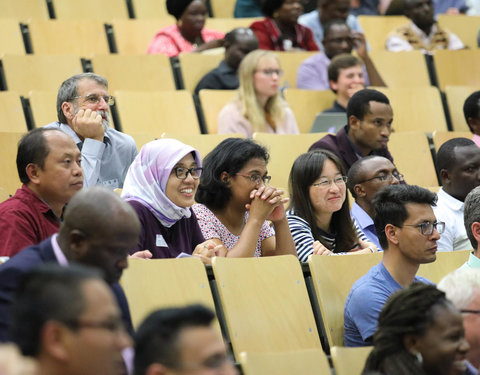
(365, 178)
(181, 340)
(68, 320)
(83, 113)
(408, 232)
(458, 166)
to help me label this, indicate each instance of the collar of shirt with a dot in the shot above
(61, 258)
(362, 218)
(473, 261)
(453, 203)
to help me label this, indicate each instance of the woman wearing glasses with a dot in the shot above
(258, 106)
(160, 186)
(235, 203)
(319, 213)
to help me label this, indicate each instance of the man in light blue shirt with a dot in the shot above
(83, 113)
(365, 177)
(408, 232)
(328, 10)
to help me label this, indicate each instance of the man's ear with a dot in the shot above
(391, 233)
(54, 340)
(353, 122)
(359, 190)
(474, 124)
(476, 230)
(444, 176)
(333, 85)
(78, 243)
(32, 170)
(68, 110)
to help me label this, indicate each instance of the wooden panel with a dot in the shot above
(11, 113)
(456, 96)
(104, 10)
(24, 10)
(457, 68)
(465, 27)
(195, 65)
(212, 103)
(10, 181)
(12, 40)
(377, 28)
(349, 361)
(446, 262)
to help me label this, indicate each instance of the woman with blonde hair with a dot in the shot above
(258, 106)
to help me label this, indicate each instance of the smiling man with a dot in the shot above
(408, 232)
(83, 113)
(458, 165)
(48, 164)
(370, 118)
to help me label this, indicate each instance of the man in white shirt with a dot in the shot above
(458, 165)
(422, 33)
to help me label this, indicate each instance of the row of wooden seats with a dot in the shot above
(263, 304)
(377, 28)
(104, 10)
(283, 149)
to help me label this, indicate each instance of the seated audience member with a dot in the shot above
(189, 33)
(98, 230)
(235, 202)
(422, 33)
(370, 118)
(419, 332)
(458, 165)
(83, 113)
(339, 39)
(259, 106)
(318, 215)
(462, 287)
(471, 111)
(48, 164)
(160, 186)
(472, 226)
(247, 8)
(238, 43)
(365, 178)
(328, 10)
(280, 31)
(68, 320)
(345, 77)
(174, 340)
(369, 7)
(408, 232)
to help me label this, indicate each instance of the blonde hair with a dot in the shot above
(251, 110)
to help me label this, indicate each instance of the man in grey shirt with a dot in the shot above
(83, 113)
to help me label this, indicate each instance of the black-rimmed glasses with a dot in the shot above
(182, 173)
(427, 227)
(385, 177)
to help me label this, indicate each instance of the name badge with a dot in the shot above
(160, 241)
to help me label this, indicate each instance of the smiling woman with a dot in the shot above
(161, 185)
(188, 34)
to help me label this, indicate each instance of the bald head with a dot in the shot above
(99, 229)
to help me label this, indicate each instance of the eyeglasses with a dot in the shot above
(385, 177)
(182, 173)
(256, 178)
(327, 182)
(271, 72)
(427, 227)
(114, 326)
(95, 99)
(469, 311)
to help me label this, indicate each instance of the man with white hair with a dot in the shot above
(83, 113)
(462, 287)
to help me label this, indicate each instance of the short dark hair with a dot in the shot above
(389, 206)
(409, 311)
(229, 156)
(268, 7)
(330, 24)
(49, 292)
(445, 158)
(156, 340)
(32, 149)
(305, 170)
(342, 61)
(359, 103)
(234, 35)
(471, 213)
(471, 107)
(355, 175)
(69, 89)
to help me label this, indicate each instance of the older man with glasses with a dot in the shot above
(365, 178)
(408, 232)
(83, 113)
